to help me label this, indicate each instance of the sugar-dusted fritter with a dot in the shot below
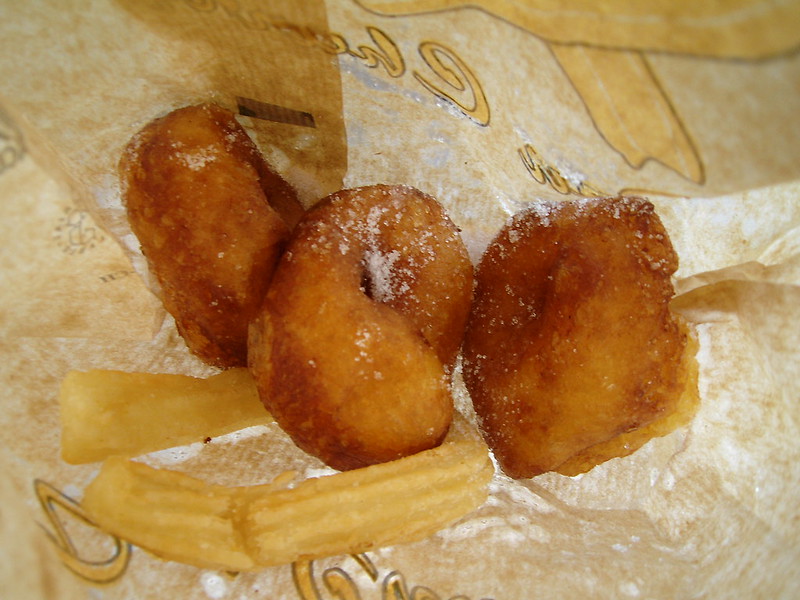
(571, 341)
(361, 326)
(212, 219)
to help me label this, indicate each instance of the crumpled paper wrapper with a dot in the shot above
(487, 108)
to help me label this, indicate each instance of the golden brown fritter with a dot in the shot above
(361, 326)
(570, 340)
(198, 196)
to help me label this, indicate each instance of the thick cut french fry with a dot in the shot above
(178, 517)
(106, 413)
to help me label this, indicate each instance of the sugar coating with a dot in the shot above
(389, 271)
(197, 159)
(380, 286)
(571, 310)
(181, 175)
(382, 279)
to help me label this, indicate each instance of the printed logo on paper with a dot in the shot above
(12, 145)
(77, 551)
(76, 233)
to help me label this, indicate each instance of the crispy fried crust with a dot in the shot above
(198, 197)
(116, 413)
(178, 517)
(571, 341)
(361, 325)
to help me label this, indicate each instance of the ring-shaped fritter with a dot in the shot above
(212, 218)
(571, 341)
(361, 326)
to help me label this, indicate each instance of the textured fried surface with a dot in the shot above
(116, 413)
(198, 197)
(668, 421)
(359, 329)
(570, 340)
(178, 517)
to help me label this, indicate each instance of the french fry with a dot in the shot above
(178, 517)
(106, 413)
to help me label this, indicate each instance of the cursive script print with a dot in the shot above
(58, 507)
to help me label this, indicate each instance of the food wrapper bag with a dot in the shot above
(487, 107)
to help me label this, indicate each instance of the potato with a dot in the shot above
(105, 413)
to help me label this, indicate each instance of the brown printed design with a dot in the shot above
(750, 29)
(446, 76)
(383, 53)
(59, 509)
(272, 112)
(76, 233)
(340, 582)
(116, 275)
(629, 108)
(599, 47)
(12, 145)
(549, 175)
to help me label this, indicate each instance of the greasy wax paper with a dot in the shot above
(488, 107)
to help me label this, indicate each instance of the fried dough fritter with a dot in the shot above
(570, 341)
(361, 325)
(198, 196)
